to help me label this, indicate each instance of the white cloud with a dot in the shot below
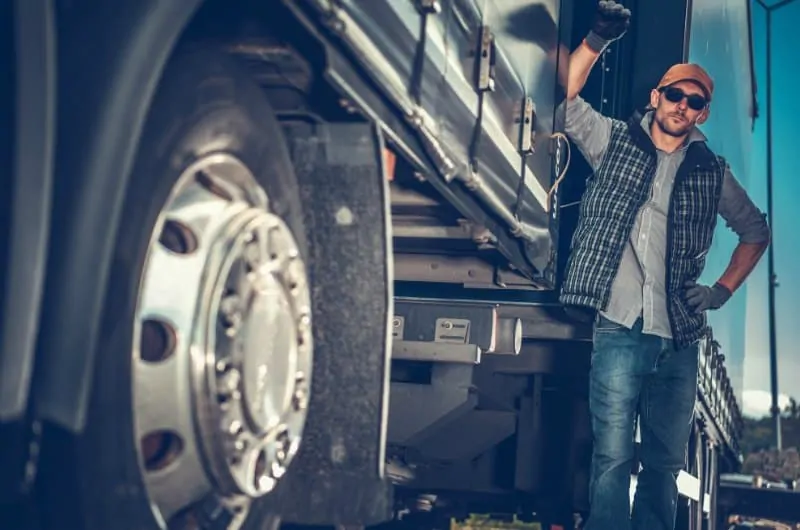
(757, 403)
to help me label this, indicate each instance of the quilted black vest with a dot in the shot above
(614, 195)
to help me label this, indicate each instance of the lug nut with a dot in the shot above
(223, 365)
(300, 395)
(265, 483)
(304, 324)
(238, 447)
(230, 314)
(283, 443)
(228, 384)
(277, 470)
(292, 274)
(252, 254)
(235, 428)
(300, 399)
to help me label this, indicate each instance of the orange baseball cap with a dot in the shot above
(688, 72)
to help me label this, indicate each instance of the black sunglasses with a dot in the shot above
(676, 95)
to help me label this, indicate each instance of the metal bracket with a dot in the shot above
(430, 7)
(398, 327)
(445, 323)
(486, 61)
(527, 127)
(452, 330)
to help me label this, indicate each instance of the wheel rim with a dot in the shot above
(222, 346)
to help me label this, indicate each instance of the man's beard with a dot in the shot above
(666, 129)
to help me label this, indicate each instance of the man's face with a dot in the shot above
(674, 112)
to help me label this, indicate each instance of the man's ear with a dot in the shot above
(655, 96)
(701, 119)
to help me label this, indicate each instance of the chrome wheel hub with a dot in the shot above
(222, 343)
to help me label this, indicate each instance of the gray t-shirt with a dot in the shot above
(639, 287)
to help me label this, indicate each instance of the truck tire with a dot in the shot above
(204, 360)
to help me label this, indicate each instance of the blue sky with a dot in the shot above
(742, 325)
(786, 191)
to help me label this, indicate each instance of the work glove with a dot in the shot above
(610, 23)
(702, 297)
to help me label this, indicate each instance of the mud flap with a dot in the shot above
(338, 477)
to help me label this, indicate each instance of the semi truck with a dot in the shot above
(296, 262)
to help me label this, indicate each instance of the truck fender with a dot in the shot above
(110, 57)
(31, 104)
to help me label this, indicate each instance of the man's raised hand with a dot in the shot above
(611, 22)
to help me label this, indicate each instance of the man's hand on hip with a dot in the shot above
(702, 297)
(610, 23)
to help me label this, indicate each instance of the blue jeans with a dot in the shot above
(638, 374)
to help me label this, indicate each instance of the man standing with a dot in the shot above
(646, 223)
